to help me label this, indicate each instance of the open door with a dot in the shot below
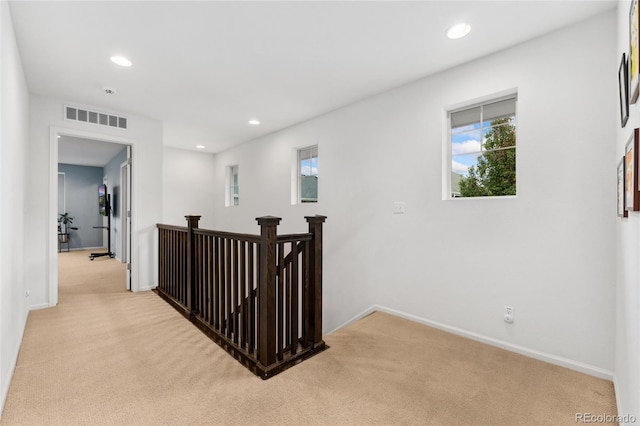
(125, 217)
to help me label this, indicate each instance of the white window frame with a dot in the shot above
(296, 174)
(232, 186)
(446, 140)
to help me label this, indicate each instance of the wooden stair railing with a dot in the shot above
(257, 296)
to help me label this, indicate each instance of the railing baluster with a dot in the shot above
(287, 303)
(252, 299)
(197, 274)
(228, 286)
(305, 294)
(170, 264)
(243, 299)
(280, 301)
(223, 264)
(293, 336)
(234, 292)
(216, 283)
(210, 263)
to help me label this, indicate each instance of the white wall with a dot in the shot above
(627, 347)
(549, 253)
(145, 136)
(14, 111)
(187, 187)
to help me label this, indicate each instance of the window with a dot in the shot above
(308, 175)
(482, 140)
(232, 192)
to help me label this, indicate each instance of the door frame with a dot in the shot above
(52, 229)
(125, 214)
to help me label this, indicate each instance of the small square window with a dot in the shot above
(482, 149)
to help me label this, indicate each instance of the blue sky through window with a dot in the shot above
(309, 167)
(467, 145)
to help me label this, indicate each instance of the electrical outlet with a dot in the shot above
(508, 316)
(398, 207)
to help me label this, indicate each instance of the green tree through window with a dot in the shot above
(495, 172)
(483, 149)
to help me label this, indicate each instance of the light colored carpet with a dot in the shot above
(105, 356)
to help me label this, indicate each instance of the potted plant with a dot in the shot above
(64, 220)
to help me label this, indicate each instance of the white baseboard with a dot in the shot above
(39, 306)
(148, 288)
(357, 317)
(531, 353)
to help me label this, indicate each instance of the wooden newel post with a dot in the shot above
(314, 316)
(192, 223)
(267, 291)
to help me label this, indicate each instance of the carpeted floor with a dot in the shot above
(105, 356)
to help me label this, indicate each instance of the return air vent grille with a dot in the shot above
(94, 117)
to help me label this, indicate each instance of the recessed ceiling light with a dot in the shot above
(458, 31)
(121, 60)
(200, 146)
(254, 122)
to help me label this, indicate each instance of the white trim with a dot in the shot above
(581, 367)
(497, 96)
(299, 151)
(355, 318)
(446, 138)
(38, 306)
(229, 193)
(52, 241)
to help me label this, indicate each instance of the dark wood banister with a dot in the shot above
(274, 351)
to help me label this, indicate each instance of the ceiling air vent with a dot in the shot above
(94, 117)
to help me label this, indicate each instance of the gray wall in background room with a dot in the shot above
(81, 201)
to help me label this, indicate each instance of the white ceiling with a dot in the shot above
(206, 67)
(86, 152)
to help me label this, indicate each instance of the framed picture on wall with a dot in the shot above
(623, 86)
(622, 212)
(634, 53)
(631, 196)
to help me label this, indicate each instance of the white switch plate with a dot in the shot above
(398, 207)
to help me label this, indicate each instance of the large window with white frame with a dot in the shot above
(307, 176)
(232, 191)
(482, 142)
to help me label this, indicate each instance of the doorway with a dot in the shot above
(93, 153)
